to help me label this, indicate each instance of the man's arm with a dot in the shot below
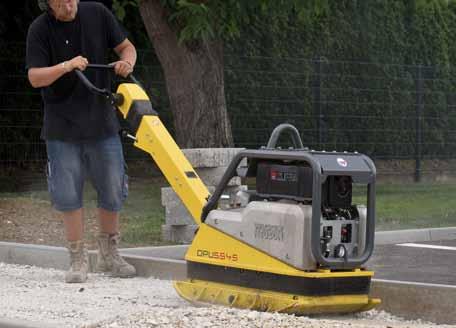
(127, 54)
(40, 77)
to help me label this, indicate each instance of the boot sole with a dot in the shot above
(75, 281)
(116, 275)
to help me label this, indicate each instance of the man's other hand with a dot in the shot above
(122, 68)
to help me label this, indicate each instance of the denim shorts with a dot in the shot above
(101, 161)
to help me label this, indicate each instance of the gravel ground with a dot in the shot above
(37, 294)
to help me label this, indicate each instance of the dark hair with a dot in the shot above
(43, 4)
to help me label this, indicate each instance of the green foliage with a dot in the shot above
(282, 37)
(369, 53)
(269, 69)
(207, 19)
(120, 7)
(196, 18)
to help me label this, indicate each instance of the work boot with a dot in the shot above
(109, 260)
(79, 262)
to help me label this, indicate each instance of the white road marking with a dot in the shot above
(447, 248)
(414, 283)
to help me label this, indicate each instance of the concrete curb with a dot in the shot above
(36, 255)
(57, 258)
(414, 235)
(16, 323)
(165, 262)
(410, 300)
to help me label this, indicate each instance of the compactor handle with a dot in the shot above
(110, 67)
(89, 85)
(115, 98)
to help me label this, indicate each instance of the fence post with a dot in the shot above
(316, 95)
(419, 105)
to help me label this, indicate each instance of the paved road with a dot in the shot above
(424, 262)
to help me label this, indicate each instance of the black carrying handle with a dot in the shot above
(285, 127)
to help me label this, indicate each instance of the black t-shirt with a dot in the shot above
(71, 112)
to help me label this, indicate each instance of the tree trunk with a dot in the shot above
(194, 81)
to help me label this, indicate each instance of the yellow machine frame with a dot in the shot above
(214, 247)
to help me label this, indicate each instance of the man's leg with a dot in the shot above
(74, 225)
(65, 182)
(79, 258)
(106, 167)
(109, 221)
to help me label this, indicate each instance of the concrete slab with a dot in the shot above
(176, 252)
(210, 157)
(181, 234)
(169, 196)
(212, 176)
(160, 268)
(177, 214)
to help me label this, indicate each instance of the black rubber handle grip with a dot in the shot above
(111, 67)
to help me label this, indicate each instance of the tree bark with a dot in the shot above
(194, 80)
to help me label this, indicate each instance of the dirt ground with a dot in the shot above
(23, 220)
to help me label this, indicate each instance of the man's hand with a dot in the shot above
(122, 68)
(41, 77)
(127, 52)
(78, 62)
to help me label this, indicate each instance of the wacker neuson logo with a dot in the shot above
(269, 232)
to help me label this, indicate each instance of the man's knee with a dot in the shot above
(112, 195)
(65, 176)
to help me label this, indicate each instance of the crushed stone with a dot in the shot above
(29, 293)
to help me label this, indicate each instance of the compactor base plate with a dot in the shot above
(269, 301)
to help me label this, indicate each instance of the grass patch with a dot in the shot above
(407, 206)
(143, 214)
(141, 217)
(398, 206)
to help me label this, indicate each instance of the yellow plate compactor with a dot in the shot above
(296, 243)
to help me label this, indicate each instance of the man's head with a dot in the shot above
(64, 10)
(43, 4)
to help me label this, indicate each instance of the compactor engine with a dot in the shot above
(277, 216)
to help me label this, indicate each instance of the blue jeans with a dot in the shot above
(69, 163)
